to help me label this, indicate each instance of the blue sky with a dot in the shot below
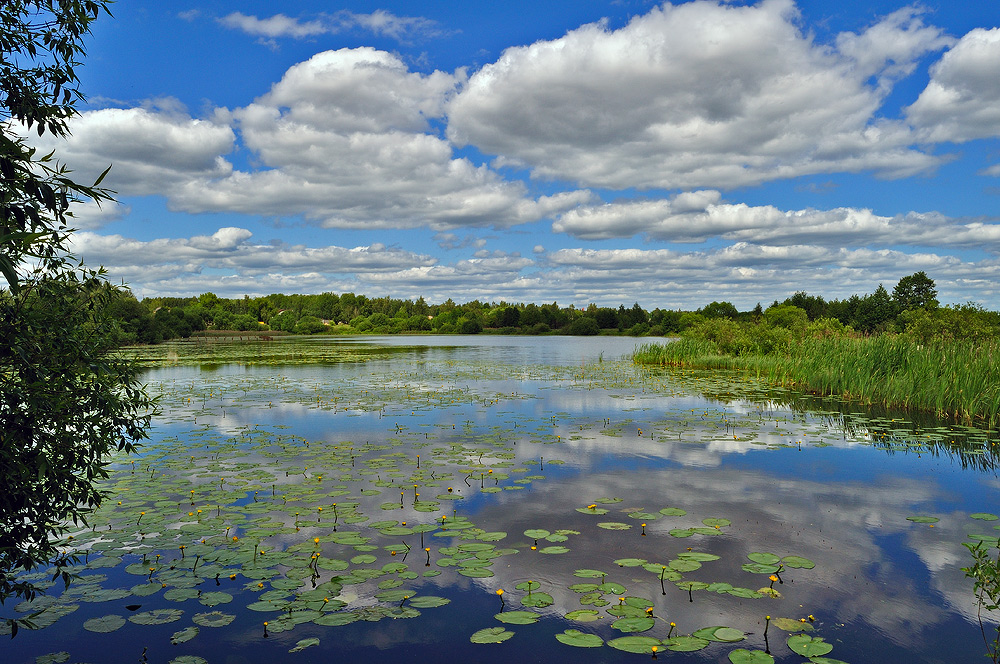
(578, 152)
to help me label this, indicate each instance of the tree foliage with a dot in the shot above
(67, 399)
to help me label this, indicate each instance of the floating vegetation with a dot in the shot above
(305, 498)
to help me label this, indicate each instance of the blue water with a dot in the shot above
(576, 426)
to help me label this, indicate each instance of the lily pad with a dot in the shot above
(634, 624)
(642, 645)
(518, 617)
(491, 635)
(303, 644)
(742, 656)
(808, 646)
(574, 637)
(428, 601)
(156, 617)
(923, 519)
(686, 643)
(104, 624)
(613, 525)
(583, 615)
(213, 619)
(184, 635)
(797, 562)
(720, 634)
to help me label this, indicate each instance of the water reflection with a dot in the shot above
(561, 427)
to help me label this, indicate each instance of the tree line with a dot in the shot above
(912, 306)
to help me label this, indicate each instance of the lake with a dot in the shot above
(369, 498)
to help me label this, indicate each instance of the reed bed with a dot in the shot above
(956, 379)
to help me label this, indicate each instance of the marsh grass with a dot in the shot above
(957, 379)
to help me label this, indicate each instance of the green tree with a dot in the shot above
(67, 399)
(916, 291)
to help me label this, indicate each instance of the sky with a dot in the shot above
(579, 152)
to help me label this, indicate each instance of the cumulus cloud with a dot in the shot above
(962, 100)
(150, 150)
(701, 215)
(694, 95)
(345, 140)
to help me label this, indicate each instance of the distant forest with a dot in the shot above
(912, 306)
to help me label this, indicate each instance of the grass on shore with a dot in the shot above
(957, 379)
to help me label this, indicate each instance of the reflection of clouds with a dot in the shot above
(852, 528)
(856, 578)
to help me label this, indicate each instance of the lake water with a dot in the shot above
(587, 489)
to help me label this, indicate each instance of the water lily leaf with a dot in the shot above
(104, 624)
(553, 549)
(633, 624)
(684, 565)
(574, 637)
(215, 598)
(673, 511)
(745, 593)
(184, 635)
(713, 522)
(213, 619)
(337, 619)
(589, 573)
(642, 645)
(686, 643)
(984, 516)
(491, 635)
(180, 594)
(681, 532)
(797, 562)
(720, 634)
(476, 572)
(741, 656)
(584, 615)
(923, 519)
(536, 533)
(53, 658)
(630, 562)
(759, 568)
(188, 659)
(537, 600)
(825, 660)
(428, 601)
(764, 558)
(363, 559)
(611, 588)
(518, 617)
(592, 510)
(156, 617)
(613, 525)
(808, 646)
(700, 556)
(791, 625)
(303, 644)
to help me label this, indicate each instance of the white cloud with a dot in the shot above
(345, 140)
(227, 255)
(378, 22)
(699, 94)
(150, 151)
(278, 25)
(962, 100)
(700, 216)
(889, 48)
(89, 215)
